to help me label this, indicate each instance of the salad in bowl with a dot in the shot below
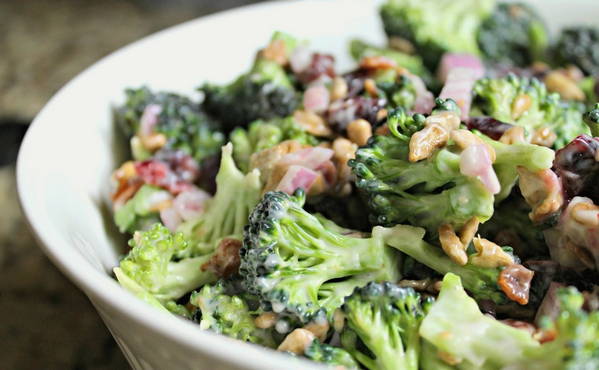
(435, 207)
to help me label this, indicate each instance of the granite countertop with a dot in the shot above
(45, 321)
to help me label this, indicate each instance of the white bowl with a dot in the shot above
(72, 147)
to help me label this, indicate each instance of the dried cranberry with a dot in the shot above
(577, 166)
(184, 166)
(320, 65)
(489, 126)
(355, 82)
(342, 113)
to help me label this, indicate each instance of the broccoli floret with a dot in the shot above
(481, 282)
(334, 357)
(181, 120)
(578, 46)
(501, 98)
(151, 265)
(456, 326)
(513, 34)
(413, 63)
(136, 213)
(301, 268)
(576, 345)
(425, 193)
(265, 92)
(262, 135)
(434, 32)
(227, 212)
(382, 323)
(398, 93)
(228, 315)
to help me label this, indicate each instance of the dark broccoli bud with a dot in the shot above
(503, 98)
(432, 32)
(578, 45)
(249, 98)
(334, 357)
(180, 119)
(446, 105)
(301, 266)
(513, 34)
(382, 323)
(591, 118)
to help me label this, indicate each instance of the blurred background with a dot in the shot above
(45, 322)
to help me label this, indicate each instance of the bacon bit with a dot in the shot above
(225, 261)
(514, 281)
(377, 62)
(544, 336)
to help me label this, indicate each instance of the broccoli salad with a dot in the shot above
(436, 207)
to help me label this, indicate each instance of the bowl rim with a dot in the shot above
(100, 287)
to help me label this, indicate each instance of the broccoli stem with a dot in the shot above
(481, 282)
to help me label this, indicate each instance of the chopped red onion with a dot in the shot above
(475, 161)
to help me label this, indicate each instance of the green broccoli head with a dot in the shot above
(228, 315)
(152, 266)
(181, 120)
(300, 267)
(228, 211)
(513, 34)
(262, 134)
(527, 103)
(382, 323)
(577, 45)
(426, 193)
(137, 213)
(265, 92)
(591, 118)
(455, 326)
(333, 357)
(435, 32)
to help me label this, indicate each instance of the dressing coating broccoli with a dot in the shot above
(382, 323)
(456, 326)
(514, 34)
(228, 315)
(261, 135)
(300, 267)
(578, 46)
(265, 92)
(185, 126)
(502, 99)
(434, 32)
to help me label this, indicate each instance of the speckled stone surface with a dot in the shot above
(45, 321)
